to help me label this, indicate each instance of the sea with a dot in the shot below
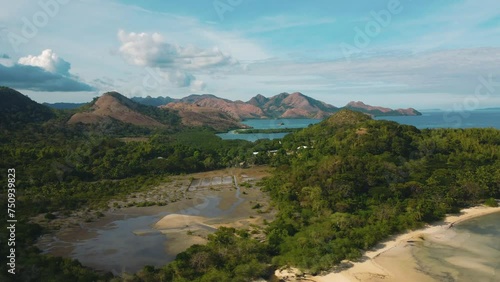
(485, 118)
(470, 251)
(268, 124)
(451, 119)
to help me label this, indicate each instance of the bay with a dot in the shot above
(268, 124)
(486, 118)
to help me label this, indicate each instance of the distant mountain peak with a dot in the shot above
(361, 105)
(381, 111)
(150, 101)
(282, 105)
(356, 103)
(259, 100)
(197, 97)
(119, 97)
(286, 105)
(196, 115)
(205, 109)
(282, 95)
(112, 93)
(115, 106)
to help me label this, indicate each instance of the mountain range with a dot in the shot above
(284, 105)
(17, 109)
(114, 106)
(191, 111)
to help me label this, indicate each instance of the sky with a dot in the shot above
(395, 53)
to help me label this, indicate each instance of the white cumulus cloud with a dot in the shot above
(177, 63)
(144, 49)
(48, 61)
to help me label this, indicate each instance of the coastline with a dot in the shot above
(394, 261)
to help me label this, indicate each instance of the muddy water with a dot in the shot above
(118, 249)
(128, 244)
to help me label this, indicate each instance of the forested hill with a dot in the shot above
(348, 182)
(342, 186)
(339, 186)
(15, 109)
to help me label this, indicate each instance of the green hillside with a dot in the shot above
(16, 108)
(360, 180)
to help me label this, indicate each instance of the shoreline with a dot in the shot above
(394, 261)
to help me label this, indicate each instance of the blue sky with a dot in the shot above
(423, 54)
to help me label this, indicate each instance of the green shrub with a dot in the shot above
(491, 202)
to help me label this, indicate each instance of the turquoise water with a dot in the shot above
(431, 119)
(280, 123)
(267, 124)
(470, 251)
(449, 119)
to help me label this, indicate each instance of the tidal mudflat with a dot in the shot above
(126, 239)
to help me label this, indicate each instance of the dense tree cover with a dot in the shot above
(17, 109)
(229, 256)
(66, 167)
(340, 187)
(345, 184)
(63, 168)
(358, 182)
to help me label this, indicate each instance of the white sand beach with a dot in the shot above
(394, 262)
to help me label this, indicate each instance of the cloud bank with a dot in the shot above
(46, 72)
